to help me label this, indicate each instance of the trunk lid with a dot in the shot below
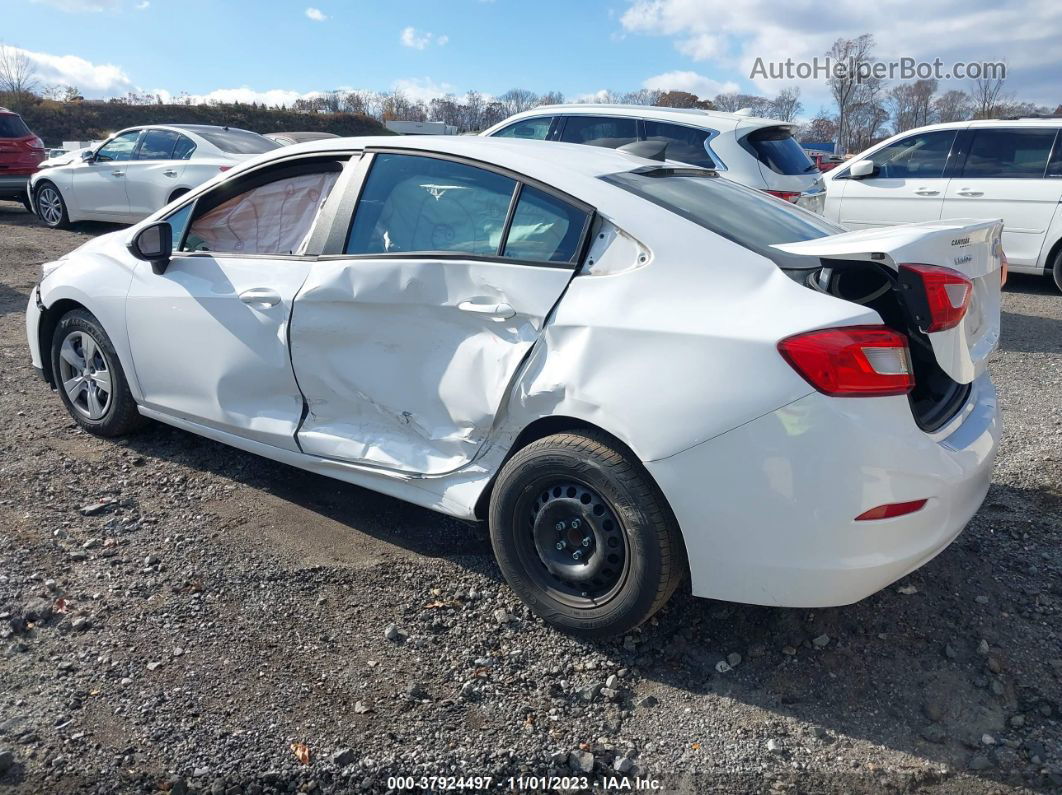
(971, 247)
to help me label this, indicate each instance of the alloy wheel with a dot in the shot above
(50, 205)
(85, 375)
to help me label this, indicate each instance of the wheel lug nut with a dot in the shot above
(560, 526)
(575, 524)
(560, 545)
(577, 554)
(586, 541)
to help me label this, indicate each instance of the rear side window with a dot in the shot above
(777, 149)
(184, 147)
(239, 142)
(607, 131)
(748, 217)
(532, 129)
(684, 144)
(544, 228)
(12, 126)
(157, 145)
(923, 155)
(1013, 154)
(424, 204)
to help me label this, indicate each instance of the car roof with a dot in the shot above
(716, 119)
(980, 123)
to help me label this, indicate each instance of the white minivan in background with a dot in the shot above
(975, 169)
(759, 153)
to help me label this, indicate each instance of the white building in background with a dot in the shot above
(421, 127)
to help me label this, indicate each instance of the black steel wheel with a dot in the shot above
(583, 535)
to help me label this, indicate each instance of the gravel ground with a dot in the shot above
(176, 615)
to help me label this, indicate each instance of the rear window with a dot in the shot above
(239, 142)
(748, 217)
(777, 149)
(12, 126)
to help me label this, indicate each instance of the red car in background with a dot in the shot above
(825, 162)
(20, 153)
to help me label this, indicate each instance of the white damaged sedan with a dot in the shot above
(634, 370)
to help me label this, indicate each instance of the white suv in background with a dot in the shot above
(976, 169)
(759, 153)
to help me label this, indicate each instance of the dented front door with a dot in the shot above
(404, 362)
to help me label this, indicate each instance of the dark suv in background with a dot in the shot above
(20, 153)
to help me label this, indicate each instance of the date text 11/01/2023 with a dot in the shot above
(522, 783)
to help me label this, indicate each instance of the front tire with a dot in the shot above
(584, 536)
(1058, 270)
(51, 207)
(89, 377)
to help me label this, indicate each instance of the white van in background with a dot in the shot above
(760, 153)
(974, 169)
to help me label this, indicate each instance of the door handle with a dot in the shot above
(926, 192)
(260, 296)
(169, 173)
(969, 192)
(497, 310)
(117, 173)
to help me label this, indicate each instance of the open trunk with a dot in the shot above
(872, 268)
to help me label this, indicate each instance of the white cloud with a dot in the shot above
(732, 34)
(316, 14)
(80, 5)
(420, 40)
(422, 89)
(692, 82)
(76, 71)
(143, 4)
(245, 94)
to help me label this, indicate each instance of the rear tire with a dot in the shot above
(1058, 270)
(51, 207)
(584, 536)
(89, 377)
(26, 203)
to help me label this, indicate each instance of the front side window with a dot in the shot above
(544, 228)
(422, 204)
(120, 148)
(182, 150)
(923, 156)
(608, 131)
(684, 144)
(530, 129)
(157, 145)
(260, 215)
(1013, 154)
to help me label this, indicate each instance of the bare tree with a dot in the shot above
(18, 76)
(987, 97)
(473, 106)
(854, 54)
(867, 113)
(643, 96)
(683, 99)
(820, 129)
(551, 98)
(786, 105)
(953, 105)
(922, 93)
(517, 100)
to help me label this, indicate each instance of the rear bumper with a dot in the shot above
(767, 510)
(13, 185)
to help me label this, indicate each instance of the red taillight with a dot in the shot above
(786, 195)
(857, 361)
(945, 295)
(891, 509)
(224, 168)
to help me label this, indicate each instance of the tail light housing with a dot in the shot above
(938, 297)
(853, 361)
(785, 195)
(891, 510)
